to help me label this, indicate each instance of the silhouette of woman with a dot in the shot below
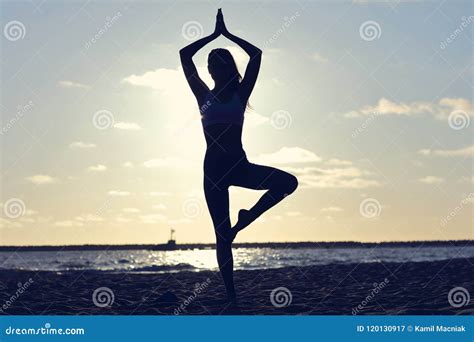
(225, 162)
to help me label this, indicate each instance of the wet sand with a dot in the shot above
(370, 288)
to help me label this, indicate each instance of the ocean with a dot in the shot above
(146, 261)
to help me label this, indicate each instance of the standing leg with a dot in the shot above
(218, 204)
(279, 184)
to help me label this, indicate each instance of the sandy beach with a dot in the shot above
(370, 288)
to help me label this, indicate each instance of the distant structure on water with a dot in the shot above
(171, 242)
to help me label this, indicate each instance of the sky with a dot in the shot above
(368, 103)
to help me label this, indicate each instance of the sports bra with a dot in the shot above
(213, 111)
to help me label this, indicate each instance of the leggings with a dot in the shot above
(224, 170)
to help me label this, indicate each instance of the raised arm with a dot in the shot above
(198, 87)
(253, 67)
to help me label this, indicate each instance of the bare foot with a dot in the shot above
(232, 298)
(244, 219)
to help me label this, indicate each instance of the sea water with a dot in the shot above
(205, 259)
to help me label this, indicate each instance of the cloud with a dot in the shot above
(318, 58)
(174, 100)
(440, 110)
(391, 3)
(41, 179)
(121, 219)
(72, 84)
(159, 193)
(8, 223)
(131, 210)
(161, 79)
(127, 164)
(455, 109)
(254, 119)
(130, 126)
(431, 180)
(240, 57)
(174, 96)
(334, 173)
(118, 193)
(332, 209)
(159, 206)
(89, 218)
(288, 155)
(68, 223)
(81, 145)
(152, 218)
(467, 179)
(348, 177)
(172, 81)
(338, 162)
(97, 168)
(387, 107)
(180, 221)
(463, 152)
(166, 162)
(278, 82)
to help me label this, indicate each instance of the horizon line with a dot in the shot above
(245, 243)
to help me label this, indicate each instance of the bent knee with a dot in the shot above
(292, 184)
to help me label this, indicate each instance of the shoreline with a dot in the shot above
(412, 288)
(303, 244)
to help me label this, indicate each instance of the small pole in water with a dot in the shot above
(171, 235)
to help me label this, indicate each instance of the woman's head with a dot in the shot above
(223, 69)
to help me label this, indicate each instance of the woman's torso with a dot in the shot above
(222, 121)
